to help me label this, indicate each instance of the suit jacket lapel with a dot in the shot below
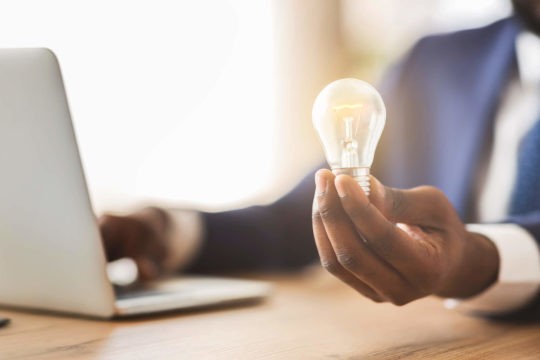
(465, 125)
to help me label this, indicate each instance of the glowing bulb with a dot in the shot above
(349, 115)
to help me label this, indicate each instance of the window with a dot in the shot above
(171, 100)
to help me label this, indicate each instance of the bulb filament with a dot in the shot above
(349, 146)
(349, 155)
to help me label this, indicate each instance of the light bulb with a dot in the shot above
(349, 116)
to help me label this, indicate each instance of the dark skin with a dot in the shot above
(141, 236)
(398, 245)
(395, 246)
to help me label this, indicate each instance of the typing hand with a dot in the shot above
(140, 236)
(398, 245)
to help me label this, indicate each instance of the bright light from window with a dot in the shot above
(172, 100)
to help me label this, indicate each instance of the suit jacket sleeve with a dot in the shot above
(277, 236)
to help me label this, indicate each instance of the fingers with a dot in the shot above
(350, 253)
(330, 263)
(147, 269)
(111, 228)
(131, 237)
(408, 252)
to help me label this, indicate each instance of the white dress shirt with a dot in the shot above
(519, 271)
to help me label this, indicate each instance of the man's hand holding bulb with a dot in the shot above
(395, 245)
(398, 245)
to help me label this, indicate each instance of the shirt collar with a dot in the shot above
(528, 58)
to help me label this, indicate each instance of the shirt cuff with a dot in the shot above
(185, 236)
(519, 272)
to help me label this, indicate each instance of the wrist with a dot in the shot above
(184, 238)
(477, 270)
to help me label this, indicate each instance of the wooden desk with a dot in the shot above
(309, 317)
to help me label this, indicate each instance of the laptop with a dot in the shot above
(51, 254)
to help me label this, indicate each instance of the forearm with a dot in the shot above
(273, 237)
(256, 238)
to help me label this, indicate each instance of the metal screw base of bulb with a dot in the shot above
(360, 175)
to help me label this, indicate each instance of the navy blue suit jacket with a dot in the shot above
(441, 102)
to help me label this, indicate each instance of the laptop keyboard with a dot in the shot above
(129, 292)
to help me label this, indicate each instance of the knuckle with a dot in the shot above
(399, 298)
(327, 214)
(330, 266)
(376, 299)
(438, 200)
(400, 302)
(398, 205)
(372, 296)
(347, 260)
(435, 195)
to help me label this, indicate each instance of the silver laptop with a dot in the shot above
(51, 256)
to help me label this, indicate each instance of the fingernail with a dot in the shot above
(320, 184)
(341, 189)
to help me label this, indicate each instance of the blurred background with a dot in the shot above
(207, 103)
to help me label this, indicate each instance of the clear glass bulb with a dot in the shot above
(349, 115)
